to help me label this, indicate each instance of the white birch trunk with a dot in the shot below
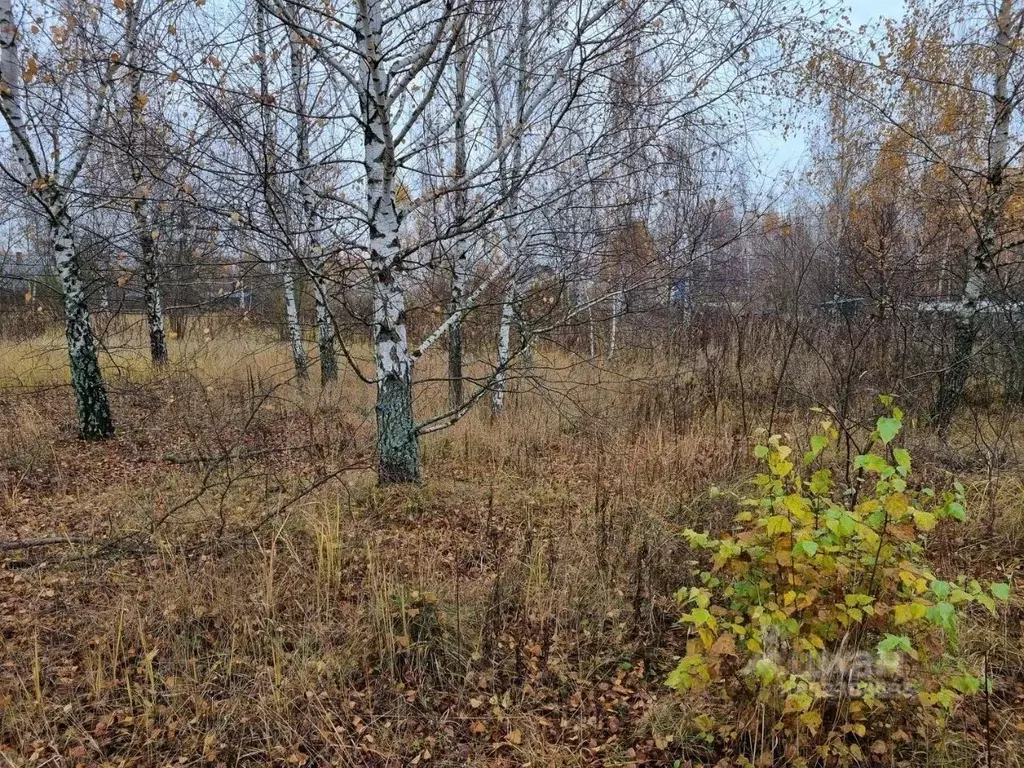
(142, 218)
(591, 326)
(954, 380)
(291, 311)
(94, 421)
(508, 307)
(460, 251)
(303, 171)
(616, 311)
(151, 289)
(272, 199)
(504, 352)
(397, 440)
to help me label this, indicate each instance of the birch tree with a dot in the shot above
(313, 251)
(1006, 39)
(947, 81)
(276, 208)
(49, 178)
(146, 231)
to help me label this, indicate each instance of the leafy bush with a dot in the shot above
(817, 618)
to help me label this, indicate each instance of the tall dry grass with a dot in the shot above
(236, 590)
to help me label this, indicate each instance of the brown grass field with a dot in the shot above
(227, 585)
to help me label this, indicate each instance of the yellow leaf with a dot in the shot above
(799, 507)
(797, 702)
(777, 524)
(896, 505)
(906, 612)
(812, 720)
(925, 521)
(31, 68)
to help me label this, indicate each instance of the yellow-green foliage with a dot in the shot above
(819, 613)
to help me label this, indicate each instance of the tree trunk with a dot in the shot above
(1014, 389)
(94, 420)
(317, 262)
(616, 311)
(458, 286)
(954, 380)
(504, 352)
(154, 302)
(291, 311)
(460, 250)
(324, 324)
(148, 248)
(397, 438)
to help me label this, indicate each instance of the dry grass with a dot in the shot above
(256, 600)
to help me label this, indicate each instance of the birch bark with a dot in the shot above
(94, 420)
(303, 172)
(982, 261)
(397, 441)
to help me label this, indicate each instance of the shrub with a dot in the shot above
(817, 617)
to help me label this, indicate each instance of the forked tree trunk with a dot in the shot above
(94, 420)
(317, 262)
(397, 439)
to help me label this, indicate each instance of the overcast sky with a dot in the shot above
(788, 154)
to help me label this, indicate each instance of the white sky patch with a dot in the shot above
(780, 155)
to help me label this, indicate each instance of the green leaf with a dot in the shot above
(942, 615)
(689, 673)
(940, 589)
(955, 510)
(902, 456)
(818, 444)
(1000, 592)
(761, 451)
(966, 683)
(700, 616)
(843, 525)
(820, 482)
(888, 428)
(887, 648)
(895, 643)
(872, 462)
(808, 548)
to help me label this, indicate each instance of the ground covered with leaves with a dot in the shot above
(222, 584)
